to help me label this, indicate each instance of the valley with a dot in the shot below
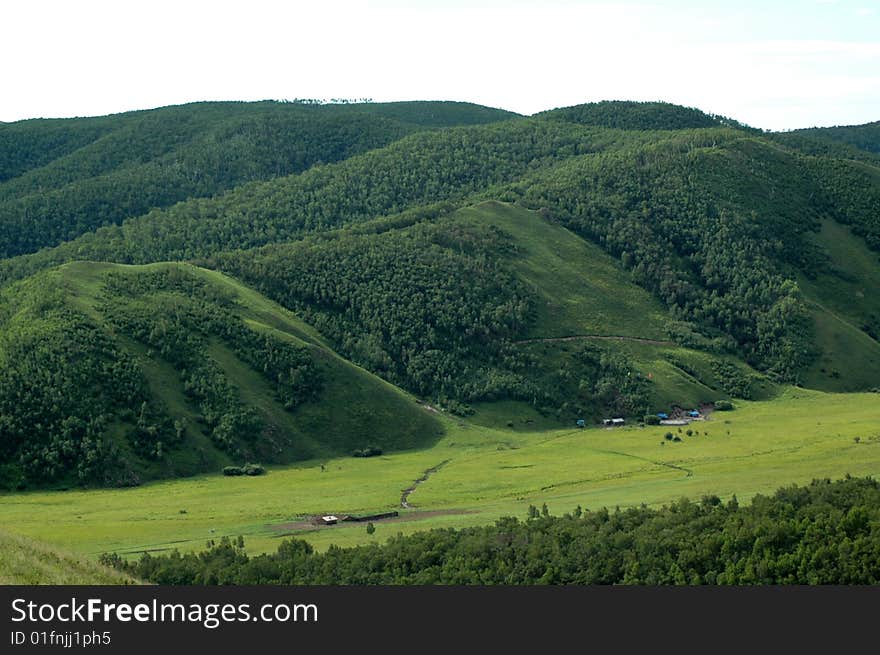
(490, 473)
(412, 307)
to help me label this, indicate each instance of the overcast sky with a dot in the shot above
(774, 65)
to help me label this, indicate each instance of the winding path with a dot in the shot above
(404, 496)
(688, 472)
(598, 337)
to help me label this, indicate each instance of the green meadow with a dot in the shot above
(486, 473)
(24, 561)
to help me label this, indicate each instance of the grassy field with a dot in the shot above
(487, 473)
(24, 561)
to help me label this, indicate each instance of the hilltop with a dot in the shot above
(77, 175)
(630, 115)
(847, 141)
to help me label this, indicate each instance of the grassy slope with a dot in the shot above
(581, 290)
(355, 407)
(843, 299)
(584, 292)
(490, 472)
(25, 561)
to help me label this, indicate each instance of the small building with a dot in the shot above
(329, 519)
(617, 421)
(662, 416)
(694, 413)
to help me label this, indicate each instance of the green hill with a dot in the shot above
(606, 258)
(25, 561)
(715, 222)
(631, 115)
(69, 177)
(852, 141)
(492, 303)
(110, 375)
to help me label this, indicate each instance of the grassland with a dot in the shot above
(843, 299)
(489, 472)
(24, 561)
(580, 289)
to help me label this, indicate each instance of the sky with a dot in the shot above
(772, 64)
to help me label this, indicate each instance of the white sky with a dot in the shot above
(774, 65)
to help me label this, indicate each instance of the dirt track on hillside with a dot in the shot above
(598, 337)
(404, 496)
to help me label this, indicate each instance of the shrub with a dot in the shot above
(724, 406)
(368, 451)
(458, 408)
(668, 436)
(232, 470)
(253, 469)
(652, 419)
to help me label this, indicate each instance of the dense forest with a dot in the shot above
(430, 307)
(76, 176)
(851, 141)
(628, 115)
(819, 534)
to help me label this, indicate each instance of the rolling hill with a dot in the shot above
(849, 141)
(490, 303)
(111, 375)
(72, 176)
(611, 258)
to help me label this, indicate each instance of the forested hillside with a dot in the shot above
(854, 141)
(608, 258)
(69, 177)
(636, 116)
(111, 375)
(456, 308)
